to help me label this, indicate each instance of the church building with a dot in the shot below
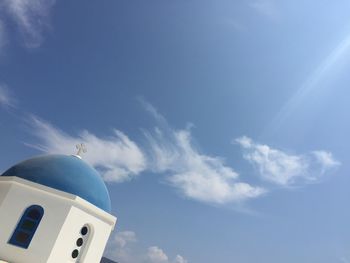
(54, 209)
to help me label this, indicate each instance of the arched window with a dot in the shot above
(27, 226)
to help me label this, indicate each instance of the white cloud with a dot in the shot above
(124, 247)
(6, 98)
(195, 175)
(167, 151)
(180, 259)
(267, 8)
(325, 159)
(31, 18)
(156, 255)
(286, 169)
(121, 239)
(198, 176)
(118, 158)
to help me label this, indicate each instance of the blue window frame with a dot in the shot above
(26, 227)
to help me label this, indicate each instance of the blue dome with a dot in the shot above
(66, 173)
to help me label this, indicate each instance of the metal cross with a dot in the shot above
(81, 149)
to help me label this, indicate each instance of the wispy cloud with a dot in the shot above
(122, 247)
(286, 169)
(118, 158)
(196, 175)
(125, 247)
(266, 8)
(166, 151)
(31, 18)
(7, 100)
(180, 259)
(124, 237)
(156, 255)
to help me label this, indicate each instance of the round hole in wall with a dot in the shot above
(84, 230)
(75, 253)
(79, 242)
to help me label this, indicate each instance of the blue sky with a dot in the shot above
(220, 127)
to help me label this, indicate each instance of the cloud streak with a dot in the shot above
(166, 151)
(31, 18)
(117, 158)
(286, 169)
(6, 98)
(196, 175)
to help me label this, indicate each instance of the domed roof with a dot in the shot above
(66, 173)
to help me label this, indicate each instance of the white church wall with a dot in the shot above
(4, 188)
(92, 249)
(18, 198)
(64, 216)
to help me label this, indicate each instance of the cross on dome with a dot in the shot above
(81, 149)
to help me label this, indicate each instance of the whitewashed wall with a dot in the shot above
(64, 216)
